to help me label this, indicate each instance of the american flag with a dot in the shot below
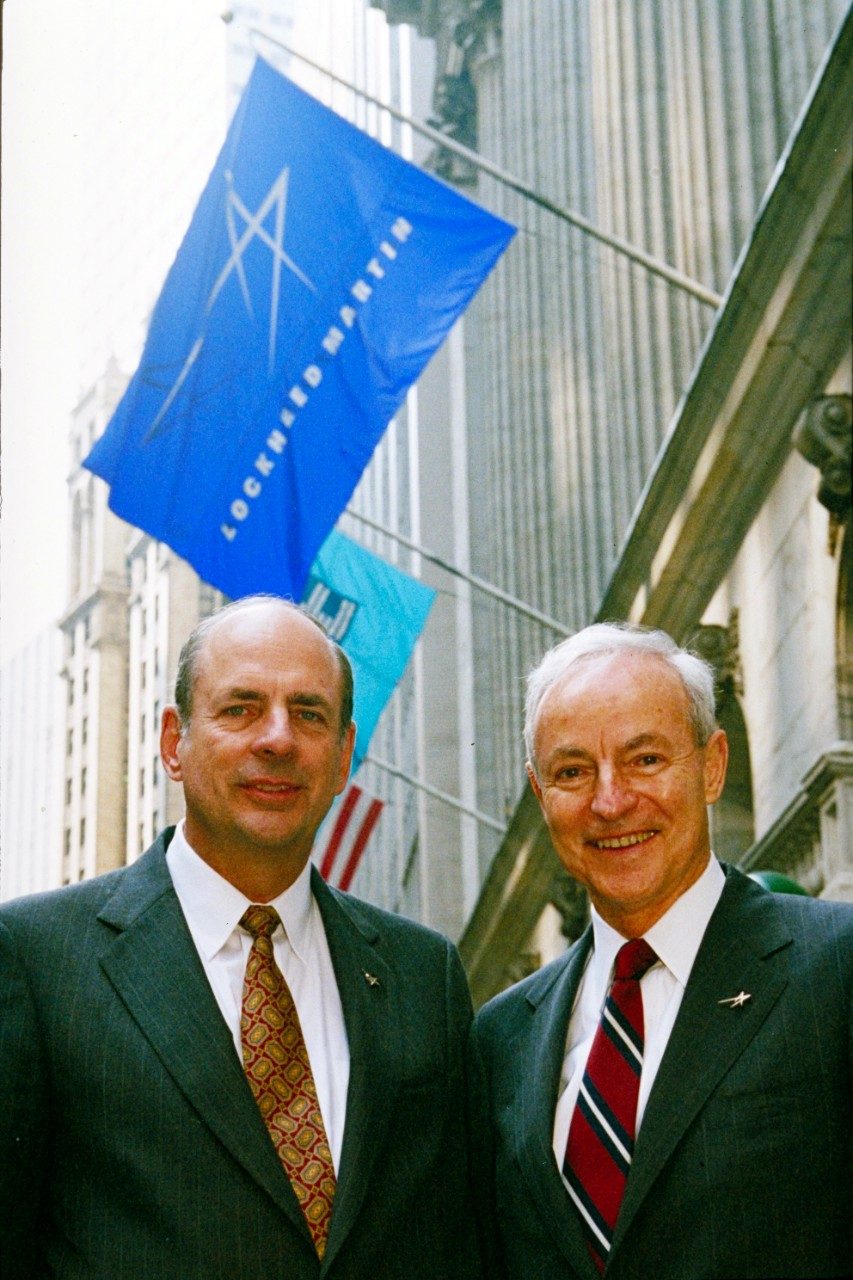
(353, 826)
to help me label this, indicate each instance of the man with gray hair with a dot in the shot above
(671, 1098)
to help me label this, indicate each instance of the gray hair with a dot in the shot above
(603, 639)
(188, 658)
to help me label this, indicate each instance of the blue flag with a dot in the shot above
(319, 274)
(376, 613)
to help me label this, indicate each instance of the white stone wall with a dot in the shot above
(784, 585)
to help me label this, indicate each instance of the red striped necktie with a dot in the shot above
(604, 1121)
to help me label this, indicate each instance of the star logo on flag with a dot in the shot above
(275, 202)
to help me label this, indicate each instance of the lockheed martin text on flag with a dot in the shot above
(352, 824)
(319, 274)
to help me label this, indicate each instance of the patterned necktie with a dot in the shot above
(603, 1126)
(279, 1074)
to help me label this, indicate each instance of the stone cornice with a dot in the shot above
(794, 832)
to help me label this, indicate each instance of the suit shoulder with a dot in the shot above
(818, 923)
(398, 928)
(86, 897)
(504, 1007)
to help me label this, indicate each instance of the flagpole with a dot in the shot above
(436, 794)
(559, 628)
(662, 269)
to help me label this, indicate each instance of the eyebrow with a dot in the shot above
(310, 700)
(295, 699)
(567, 753)
(572, 752)
(241, 695)
(647, 740)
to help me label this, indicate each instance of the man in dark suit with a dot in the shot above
(671, 1099)
(211, 1064)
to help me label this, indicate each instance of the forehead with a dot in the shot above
(616, 696)
(268, 643)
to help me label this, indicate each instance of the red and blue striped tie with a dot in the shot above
(601, 1134)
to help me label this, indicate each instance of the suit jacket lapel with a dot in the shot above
(155, 969)
(738, 953)
(369, 994)
(551, 1006)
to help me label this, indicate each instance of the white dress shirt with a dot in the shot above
(213, 909)
(675, 938)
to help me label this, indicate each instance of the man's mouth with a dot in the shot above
(624, 842)
(271, 788)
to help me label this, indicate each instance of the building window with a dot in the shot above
(84, 731)
(82, 832)
(142, 781)
(142, 675)
(67, 790)
(155, 770)
(70, 691)
(67, 846)
(83, 781)
(69, 742)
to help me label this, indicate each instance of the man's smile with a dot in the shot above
(624, 842)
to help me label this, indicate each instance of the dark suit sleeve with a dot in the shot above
(481, 1145)
(24, 1118)
(458, 1015)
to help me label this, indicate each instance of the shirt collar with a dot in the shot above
(214, 907)
(675, 938)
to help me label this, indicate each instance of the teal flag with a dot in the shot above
(376, 613)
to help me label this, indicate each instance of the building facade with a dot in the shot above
(634, 449)
(32, 764)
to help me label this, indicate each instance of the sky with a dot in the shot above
(106, 106)
(39, 357)
(113, 113)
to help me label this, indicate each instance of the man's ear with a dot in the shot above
(716, 763)
(534, 781)
(171, 731)
(346, 757)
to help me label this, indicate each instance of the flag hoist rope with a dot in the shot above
(486, 820)
(559, 628)
(662, 269)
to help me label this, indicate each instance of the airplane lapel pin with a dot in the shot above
(736, 1002)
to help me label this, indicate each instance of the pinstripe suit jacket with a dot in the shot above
(742, 1166)
(132, 1148)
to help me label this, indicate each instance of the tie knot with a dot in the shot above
(259, 921)
(633, 959)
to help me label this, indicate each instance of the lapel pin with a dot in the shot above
(735, 1002)
(371, 979)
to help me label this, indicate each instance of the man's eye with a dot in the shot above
(649, 760)
(312, 716)
(570, 773)
(234, 711)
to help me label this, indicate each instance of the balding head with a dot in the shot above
(193, 648)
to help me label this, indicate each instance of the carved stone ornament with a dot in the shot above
(824, 436)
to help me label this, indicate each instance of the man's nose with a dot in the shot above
(275, 732)
(612, 796)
